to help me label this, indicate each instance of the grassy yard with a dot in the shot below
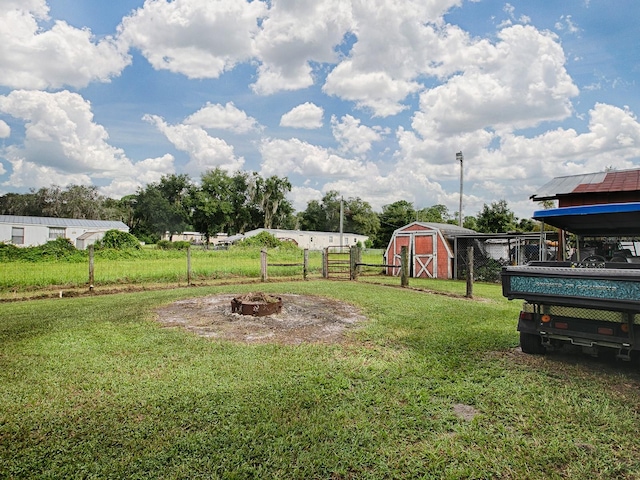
(429, 387)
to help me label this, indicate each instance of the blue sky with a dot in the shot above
(372, 98)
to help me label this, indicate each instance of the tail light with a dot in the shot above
(528, 316)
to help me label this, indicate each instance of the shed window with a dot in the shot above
(56, 232)
(17, 235)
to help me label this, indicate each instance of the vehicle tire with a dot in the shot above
(531, 343)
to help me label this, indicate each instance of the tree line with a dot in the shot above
(235, 203)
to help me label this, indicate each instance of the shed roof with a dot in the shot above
(601, 182)
(447, 229)
(62, 222)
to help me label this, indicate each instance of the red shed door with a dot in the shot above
(422, 250)
(425, 254)
(400, 240)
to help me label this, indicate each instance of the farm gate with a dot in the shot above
(337, 263)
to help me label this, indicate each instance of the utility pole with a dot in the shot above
(341, 218)
(460, 158)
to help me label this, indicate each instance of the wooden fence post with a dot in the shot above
(325, 263)
(263, 265)
(305, 266)
(355, 257)
(189, 266)
(91, 267)
(404, 259)
(469, 272)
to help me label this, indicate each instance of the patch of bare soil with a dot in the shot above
(303, 319)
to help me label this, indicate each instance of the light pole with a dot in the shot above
(460, 158)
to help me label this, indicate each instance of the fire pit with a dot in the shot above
(256, 304)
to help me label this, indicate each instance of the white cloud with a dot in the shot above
(205, 152)
(197, 38)
(384, 64)
(293, 35)
(377, 91)
(222, 117)
(566, 23)
(60, 136)
(352, 136)
(285, 157)
(33, 175)
(300, 196)
(308, 115)
(5, 130)
(146, 171)
(33, 57)
(521, 83)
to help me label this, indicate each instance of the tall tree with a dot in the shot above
(436, 214)
(360, 218)
(313, 218)
(394, 216)
(496, 218)
(74, 201)
(324, 216)
(271, 195)
(213, 208)
(20, 204)
(153, 214)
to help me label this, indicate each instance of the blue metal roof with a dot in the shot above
(601, 219)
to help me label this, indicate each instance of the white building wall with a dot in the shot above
(313, 240)
(39, 234)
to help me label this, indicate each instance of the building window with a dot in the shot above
(346, 240)
(56, 232)
(330, 238)
(17, 235)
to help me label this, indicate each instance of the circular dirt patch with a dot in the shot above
(303, 319)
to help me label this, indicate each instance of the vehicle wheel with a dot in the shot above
(531, 343)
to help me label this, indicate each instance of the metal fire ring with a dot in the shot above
(256, 304)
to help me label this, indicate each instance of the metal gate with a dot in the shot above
(337, 263)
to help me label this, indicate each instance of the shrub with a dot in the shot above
(164, 245)
(263, 239)
(9, 251)
(167, 245)
(58, 249)
(118, 240)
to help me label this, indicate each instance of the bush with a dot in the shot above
(9, 251)
(118, 240)
(58, 249)
(167, 245)
(263, 239)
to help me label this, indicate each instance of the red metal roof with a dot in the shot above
(604, 182)
(625, 181)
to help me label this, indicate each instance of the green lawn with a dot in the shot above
(95, 388)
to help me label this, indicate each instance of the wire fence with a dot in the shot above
(492, 252)
(151, 265)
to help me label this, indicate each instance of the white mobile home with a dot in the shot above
(307, 239)
(31, 231)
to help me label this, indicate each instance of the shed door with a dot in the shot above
(425, 254)
(400, 240)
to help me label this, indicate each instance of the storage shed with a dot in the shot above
(429, 246)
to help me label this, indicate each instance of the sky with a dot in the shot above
(371, 98)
